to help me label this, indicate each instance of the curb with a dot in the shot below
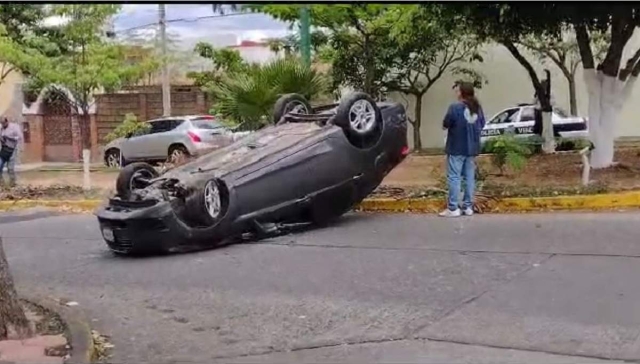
(78, 330)
(514, 204)
(418, 205)
(72, 204)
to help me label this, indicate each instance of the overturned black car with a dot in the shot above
(311, 166)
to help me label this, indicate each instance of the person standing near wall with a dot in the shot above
(464, 122)
(11, 139)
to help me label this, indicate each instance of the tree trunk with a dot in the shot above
(573, 103)
(417, 139)
(13, 321)
(549, 141)
(607, 96)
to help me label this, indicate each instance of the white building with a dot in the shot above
(255, 51)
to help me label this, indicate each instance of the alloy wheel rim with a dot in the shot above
(362, 116)
(212, 201)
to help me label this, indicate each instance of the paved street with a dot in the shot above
(372, 288)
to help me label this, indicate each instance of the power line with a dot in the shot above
(188, 20)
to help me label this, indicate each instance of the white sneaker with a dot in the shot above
(449, 213)
(468, 211)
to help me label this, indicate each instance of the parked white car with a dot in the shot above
(519, 120)
(170, 138)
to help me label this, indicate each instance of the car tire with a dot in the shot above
(125, 183)
(209, 204)
(177, 151)
(112, 158)
(289, 103)
(349, 116)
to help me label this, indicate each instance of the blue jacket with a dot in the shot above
(463, 130)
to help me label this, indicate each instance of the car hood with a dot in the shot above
(249, 150)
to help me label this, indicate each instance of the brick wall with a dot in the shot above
(146, 103)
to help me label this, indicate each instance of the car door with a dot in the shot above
(500, 123)
(165, 134)
(142, 146)
(131, 147)
(524, 124)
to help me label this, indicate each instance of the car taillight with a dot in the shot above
(194, 137)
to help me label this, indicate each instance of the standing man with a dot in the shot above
(11, 139)
(464, 122)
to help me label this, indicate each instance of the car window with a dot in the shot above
(528, 114)
(507, 116)
(164, 125)
(206, 123)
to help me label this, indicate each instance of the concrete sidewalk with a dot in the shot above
(529, 288)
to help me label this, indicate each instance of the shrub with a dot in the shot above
(247, 96)
(130, 126)
(509, 151)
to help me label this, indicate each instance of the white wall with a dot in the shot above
(508, 85)
(257, 54)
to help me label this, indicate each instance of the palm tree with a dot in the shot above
(248, 97)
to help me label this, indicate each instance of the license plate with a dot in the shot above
(107, 233)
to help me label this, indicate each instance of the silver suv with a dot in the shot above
(170, 138)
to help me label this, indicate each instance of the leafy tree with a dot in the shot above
(247, 97)
(14, 56)
(355, 40)
(609, 83)
(130, 126)
(389, 48)
(508, 25)
(91, 64)
(223, 60)
(421, 51)
(290, 44)
(20, 20)
(222, 8)
(564, 53)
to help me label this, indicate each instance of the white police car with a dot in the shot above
(519, 120)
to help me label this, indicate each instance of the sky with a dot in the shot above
(220, 32)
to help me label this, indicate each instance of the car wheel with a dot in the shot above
(177, 153)
(129, 178)
(112, 158)
(290, 103)
(207, 205)
(360, 118)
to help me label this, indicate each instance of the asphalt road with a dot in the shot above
(371, 288)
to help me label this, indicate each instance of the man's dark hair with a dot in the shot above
(467, 92)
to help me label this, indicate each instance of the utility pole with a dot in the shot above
(166, 86)
(305, 38)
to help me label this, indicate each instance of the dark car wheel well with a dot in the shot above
(110, 151)
(285, 104)
(175, 146)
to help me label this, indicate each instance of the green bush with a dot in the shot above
(130, 126)
(247, 96)
(509, 151)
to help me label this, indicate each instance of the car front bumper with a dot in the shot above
(138, 228)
